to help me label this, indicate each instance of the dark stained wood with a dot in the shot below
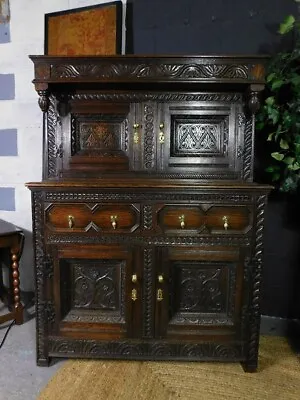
(12, 238)
(148, 227)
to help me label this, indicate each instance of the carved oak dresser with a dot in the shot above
(148, 228)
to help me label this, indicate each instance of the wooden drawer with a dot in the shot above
(111, 218)
(204, 218)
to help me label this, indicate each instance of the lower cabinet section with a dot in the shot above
(148, 294)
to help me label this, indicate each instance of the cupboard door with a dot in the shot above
(198, 292)
(200, 139)
(99, 136)
(95, 292)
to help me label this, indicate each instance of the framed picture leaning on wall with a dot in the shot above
(93, 30)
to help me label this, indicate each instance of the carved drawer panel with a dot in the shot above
(180, 217)
(204, 218)
(111, 218)
(228, 219)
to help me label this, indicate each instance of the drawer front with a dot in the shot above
(212, 219)
(110, 218)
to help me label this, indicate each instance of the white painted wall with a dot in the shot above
(23, 113)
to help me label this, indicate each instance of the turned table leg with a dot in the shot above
(16, 252)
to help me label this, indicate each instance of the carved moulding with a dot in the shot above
(253, 278)
(160, 350)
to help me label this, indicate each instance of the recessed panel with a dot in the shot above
(201, 135)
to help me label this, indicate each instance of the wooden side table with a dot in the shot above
(12, 237)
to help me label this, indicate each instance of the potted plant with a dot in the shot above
(279, 117)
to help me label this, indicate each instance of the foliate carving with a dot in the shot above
(48, 311)
(149, 153)
(102, 133)
(202, 137)
(52, 122)
(134, 97)
(175, 71)
(200, 292)
(43, 100)
(111, 318)
(254, 102)
(96, 285)
(248, 148)
(205, 135)
(137, 197)
(147, 217)
(48, 267)
(38, 239)
(200, 319)
(148, 311)
(159, 349)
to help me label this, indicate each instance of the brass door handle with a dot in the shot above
(113, 220)
(160, 279)
(136, 138)
(134, 278)
(71, 221)
(134, 295)
(159, 296)
(161, 134)
(182, 221)
(226, 223)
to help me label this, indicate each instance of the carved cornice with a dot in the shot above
(148, 69)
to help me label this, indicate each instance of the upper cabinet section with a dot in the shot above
(170, 116)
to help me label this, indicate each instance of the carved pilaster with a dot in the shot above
(255, 277)
(248, 148)
(41, 317)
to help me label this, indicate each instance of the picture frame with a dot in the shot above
(93, 30)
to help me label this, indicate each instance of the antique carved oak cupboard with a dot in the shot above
(148, 228)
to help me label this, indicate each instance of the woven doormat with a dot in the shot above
(278, 377)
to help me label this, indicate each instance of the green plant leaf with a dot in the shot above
(289, 160)
(284, 144)
(294, 167)
(270, 77)
(277, 156)
(287, 25)
(270, 137)
(270, 100)
(275, 177)
(277, 84)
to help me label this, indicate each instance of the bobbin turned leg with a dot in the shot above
(16, 252)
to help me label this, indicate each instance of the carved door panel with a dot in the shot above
(99, 133)
(198, 290)
(93, 291)
(202, 139)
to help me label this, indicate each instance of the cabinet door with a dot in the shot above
(200, 139)
(94, 293)
(97, 134)
(198, 292)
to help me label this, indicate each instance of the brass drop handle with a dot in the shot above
(134, 295)
(182, 221)
(159, 296)
(71, 221)
(136, 138)
(113, 220)
(160, 279)
(161, 134)
(226, 223)
(134, 278)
